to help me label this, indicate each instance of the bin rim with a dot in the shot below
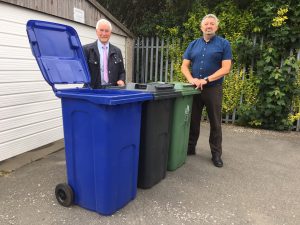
(104, 96)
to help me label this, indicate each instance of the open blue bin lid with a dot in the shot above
(59, 53)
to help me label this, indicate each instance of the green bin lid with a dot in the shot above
(186, 88)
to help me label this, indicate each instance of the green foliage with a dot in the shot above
(250, 89)
(295, 115)
(240, 89)
(279, 23)
(296, 101)
(192, 24)
(276, 91)
(232, 90)
(245, 50)
(234, 22)
(176, 53)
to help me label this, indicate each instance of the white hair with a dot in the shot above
(104, 21)
(210, 16)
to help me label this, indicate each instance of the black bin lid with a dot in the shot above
(160, 90)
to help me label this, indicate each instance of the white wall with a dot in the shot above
(30, 114)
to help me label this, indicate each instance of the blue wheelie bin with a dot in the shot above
(101, 127)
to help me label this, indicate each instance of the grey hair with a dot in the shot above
(104, 21)
(210, 16)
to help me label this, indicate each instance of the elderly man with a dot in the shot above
(210, 60)
(104, 60)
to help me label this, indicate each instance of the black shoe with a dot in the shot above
(191, 151)
(217, 161)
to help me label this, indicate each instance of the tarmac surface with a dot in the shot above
(258, 185)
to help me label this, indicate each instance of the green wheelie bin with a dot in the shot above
(181, 125)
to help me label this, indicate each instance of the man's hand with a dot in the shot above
(199, 83)
(120, 83)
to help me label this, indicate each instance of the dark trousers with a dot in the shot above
(211, 98)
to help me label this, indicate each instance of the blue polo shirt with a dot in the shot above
(206, 57)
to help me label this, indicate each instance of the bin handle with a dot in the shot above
(156, 86)
(164, 86)
(140, 86)
(189, 85)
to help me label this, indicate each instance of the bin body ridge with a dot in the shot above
(181, 125)
(180, 132)
(102, 154)
(155, 131)
(155, 140)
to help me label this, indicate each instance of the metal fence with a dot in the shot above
(153, 62)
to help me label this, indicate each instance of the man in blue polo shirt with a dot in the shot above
(210, 60)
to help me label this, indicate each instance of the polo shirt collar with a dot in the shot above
(212, 39)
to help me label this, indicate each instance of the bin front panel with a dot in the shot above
(154, 145)
(102, 150)
(180, 131)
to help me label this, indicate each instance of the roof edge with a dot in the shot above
(111, 17)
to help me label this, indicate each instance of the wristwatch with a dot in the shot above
(206, 79)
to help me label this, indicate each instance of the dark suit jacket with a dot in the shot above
(116, 69)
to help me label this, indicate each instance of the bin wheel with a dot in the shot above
(64, 194)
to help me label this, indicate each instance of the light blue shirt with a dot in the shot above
(100, 45)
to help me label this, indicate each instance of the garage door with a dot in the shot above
(30, 114)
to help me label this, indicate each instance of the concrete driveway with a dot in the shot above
(258, 185)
